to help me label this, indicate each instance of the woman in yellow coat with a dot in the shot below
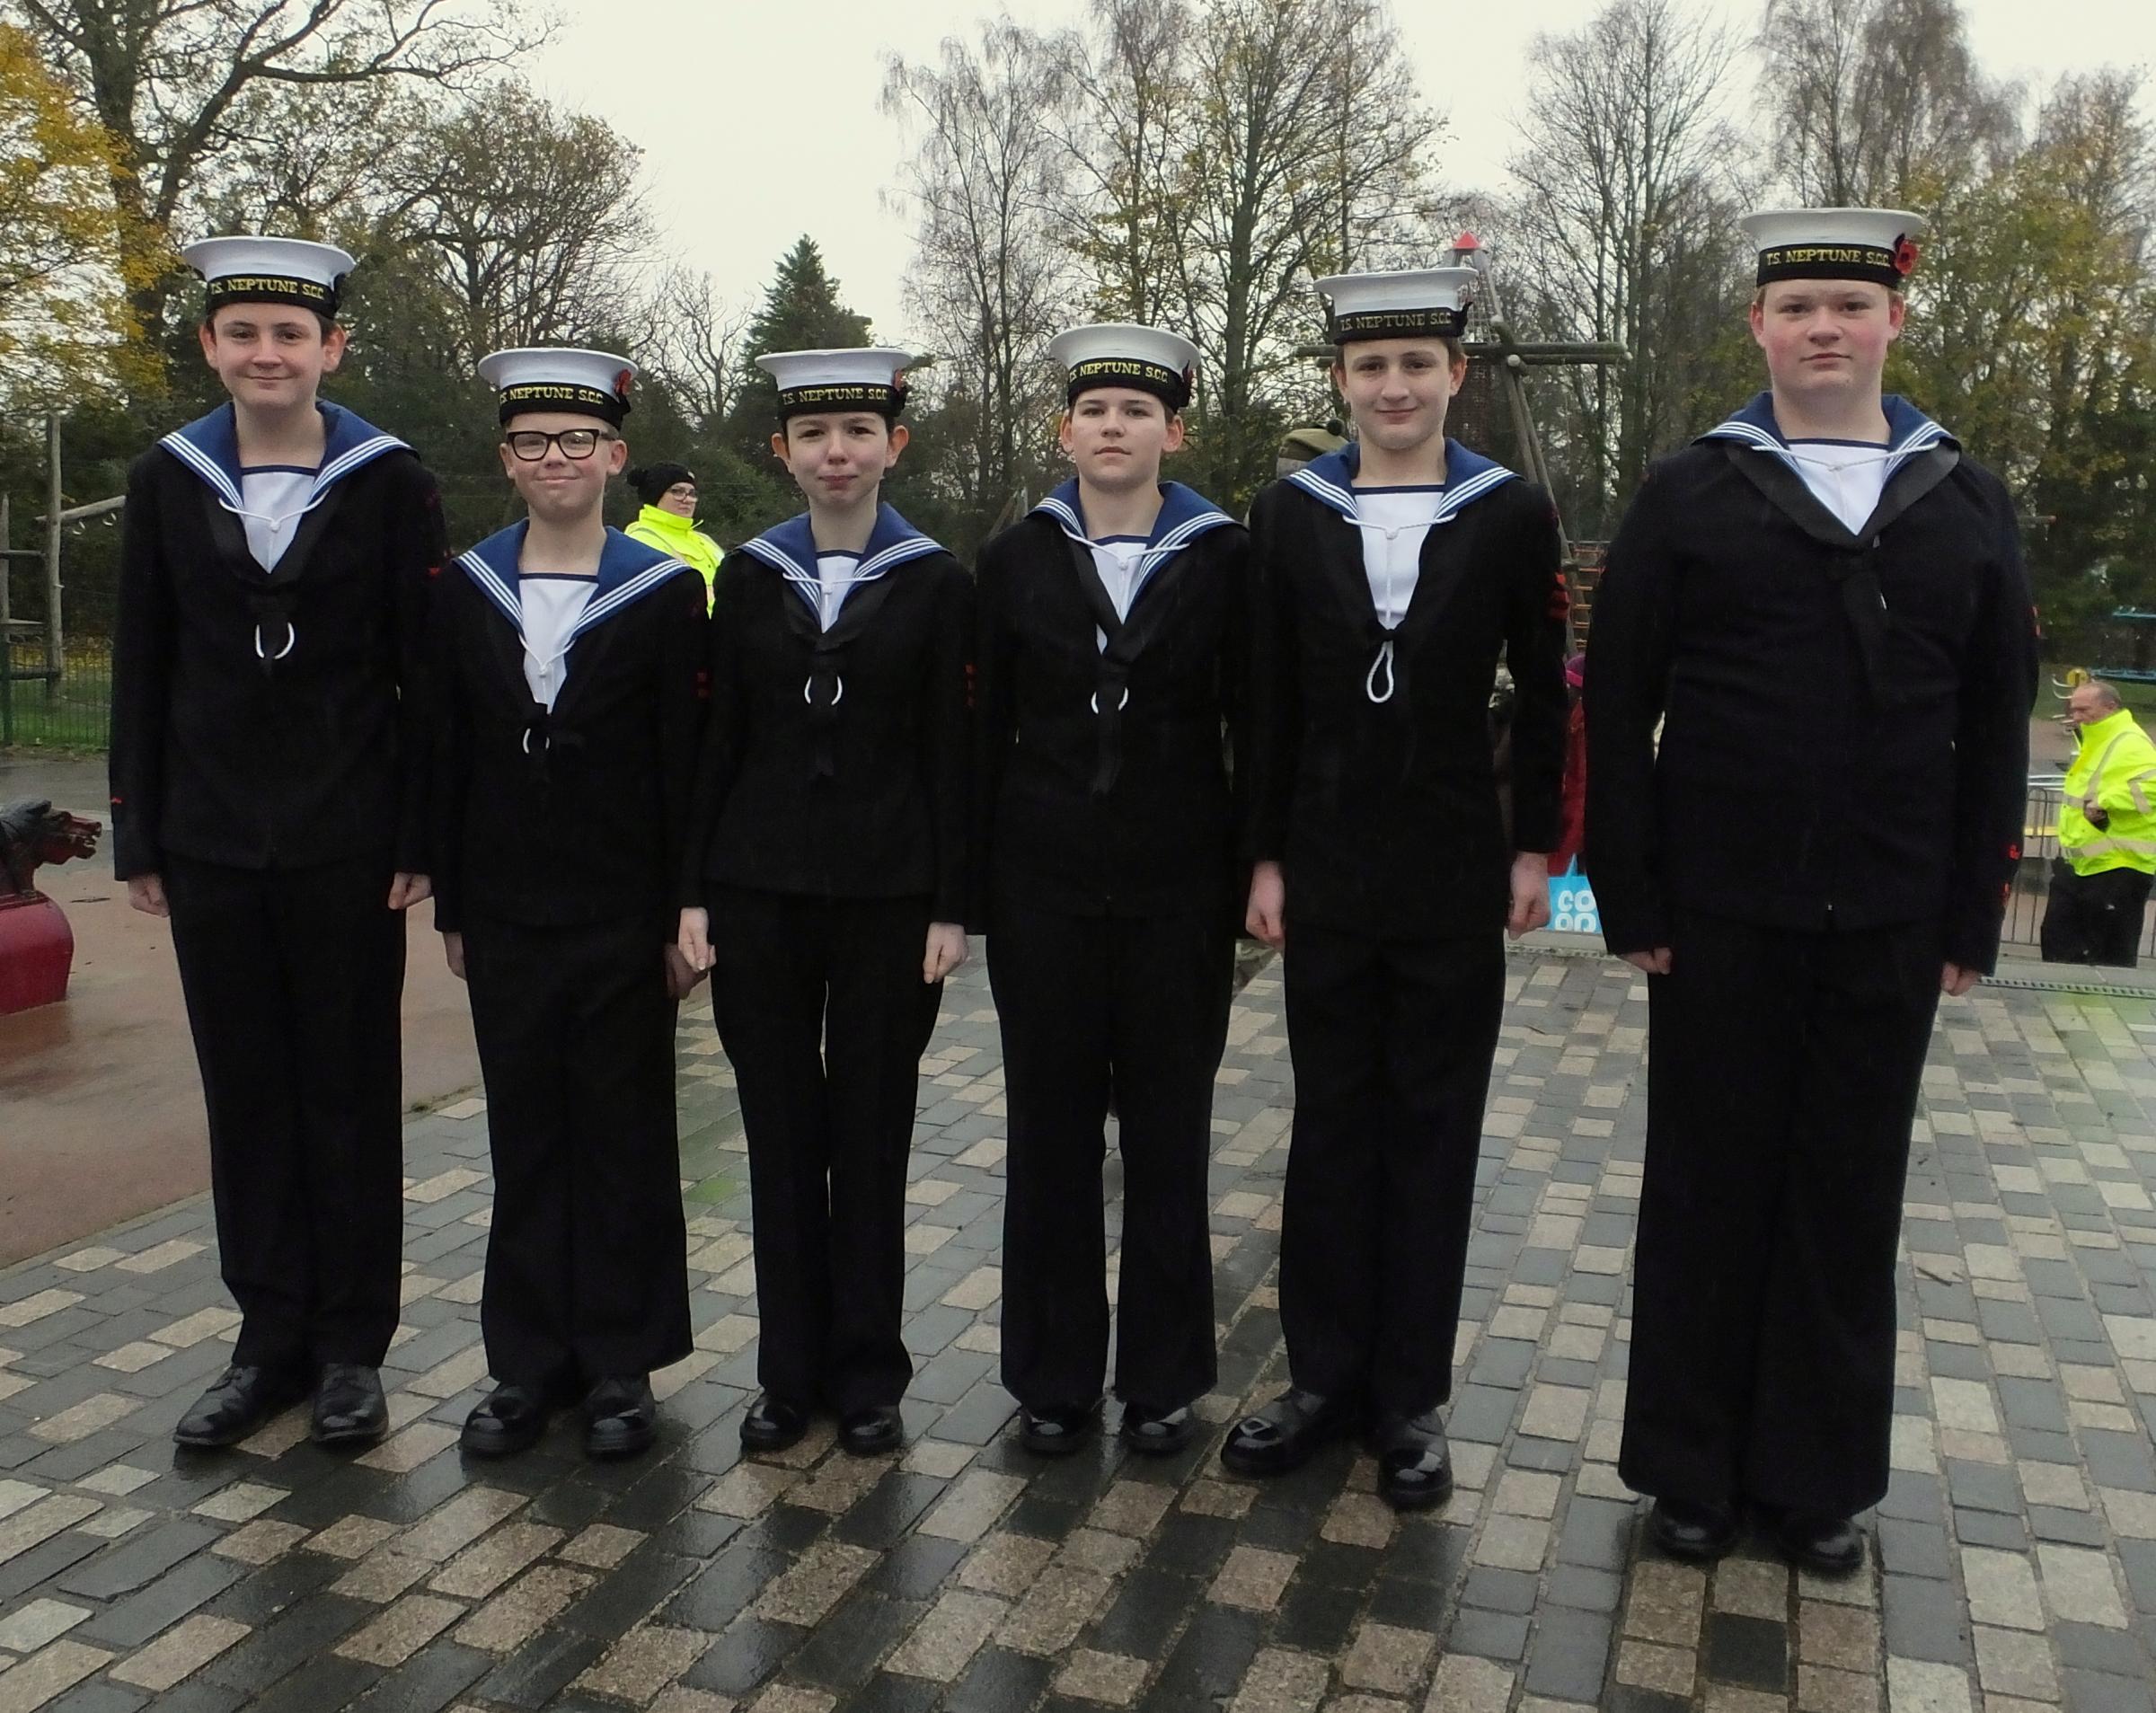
(668, 519)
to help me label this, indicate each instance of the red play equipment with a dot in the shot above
(37, 947)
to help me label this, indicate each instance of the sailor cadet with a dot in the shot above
(1822, 603)
(1390, 576)
(571, 662)
(267, 775)
(1112, 636)
(824, 886)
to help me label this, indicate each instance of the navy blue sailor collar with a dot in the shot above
(1909, 431)
(629, 570)
(210, 447)
(1469, 476)
(790, 549)
(1185, 515)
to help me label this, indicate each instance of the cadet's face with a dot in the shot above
(1824, 339)
(839, 459)
(558, 488)
(1398, 389)
(270, 356)
(1116, 436)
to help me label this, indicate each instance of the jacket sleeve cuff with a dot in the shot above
(1631, 924)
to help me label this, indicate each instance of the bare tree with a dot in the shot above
(173, 81)
(694, 342)
(1306, 132)
(1629, 190)
(1878, 102)
(992, 280)
(1125, 135)
(534, 218)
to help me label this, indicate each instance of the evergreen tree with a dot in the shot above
(801, 311)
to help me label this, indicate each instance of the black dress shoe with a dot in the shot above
(1414, 1463)
(871, 1432)
(349, 1406)
(1157, 1432)
(239, 1401)
(773, 1423)
(509, 1419)
(1058, 1431)
(1685, 1529)
(621, 1416)
(1832, 1546)
(1282, 1435)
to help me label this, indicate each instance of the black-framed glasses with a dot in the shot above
(530, 445)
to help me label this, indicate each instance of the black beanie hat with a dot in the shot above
(653, 479)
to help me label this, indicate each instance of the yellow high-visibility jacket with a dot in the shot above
(655, 526)
(2114, 771)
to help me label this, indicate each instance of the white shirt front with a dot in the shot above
(1394, 522)
(835, 575)
(273, 498)
(1845, 476)
(551, 605)
(1116, 557)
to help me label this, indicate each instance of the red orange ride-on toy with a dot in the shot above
(37, 947)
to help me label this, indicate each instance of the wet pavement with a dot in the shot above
(2014, 1564)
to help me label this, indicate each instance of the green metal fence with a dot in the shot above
(42, 710)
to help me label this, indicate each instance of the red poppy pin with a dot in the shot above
(1904, 256)
(622, 382)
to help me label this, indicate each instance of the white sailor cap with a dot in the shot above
(550, 377)
(1121, 354)
(1413, 302)
(863, 377)
(255, 269)
(1877, 244)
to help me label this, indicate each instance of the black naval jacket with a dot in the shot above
(581, 814)
(273, 719)
(1375, 788)
(835, 762)
(1845, 737)
(1102, 787)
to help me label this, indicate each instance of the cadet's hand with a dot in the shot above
(1956, 979)
(1530, 893)
(681, 979)
(408, 889)
(145, 893)
(1655, 962)
(1265, 918)
(945, 952)
(694, 939)
(453, 948)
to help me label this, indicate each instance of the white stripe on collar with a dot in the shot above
(341, 465)
(623, 594)
(203, 466)
(1923, 437)
(1342, 499)
(491, 586)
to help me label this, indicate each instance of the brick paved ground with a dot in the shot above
(2017, 1561)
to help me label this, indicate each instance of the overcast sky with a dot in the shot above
(758, 118)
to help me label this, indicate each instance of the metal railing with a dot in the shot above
(44, 709)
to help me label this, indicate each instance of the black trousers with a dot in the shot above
(821, 1007)
(2096, 918)
(1088, 1002)
(586, 1259)
(293, 978)
(1782, 1077)
(1391, 1041)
